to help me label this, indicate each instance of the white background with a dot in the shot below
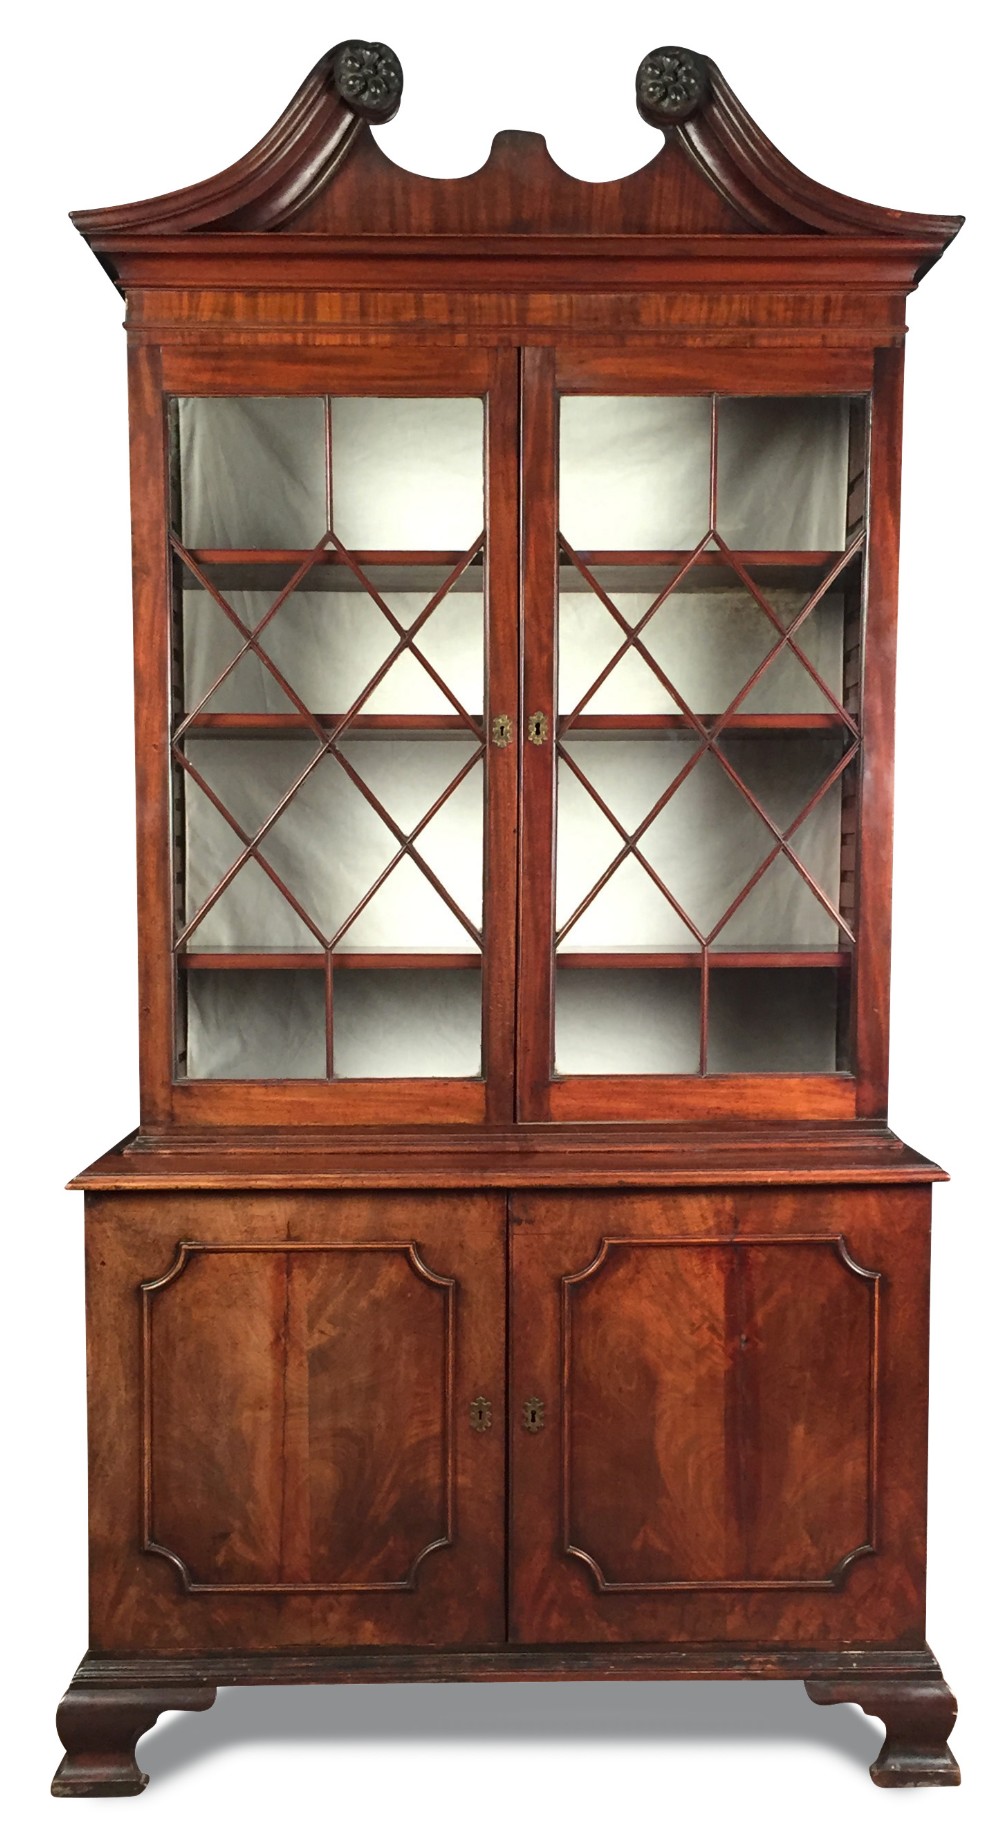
(107, 103)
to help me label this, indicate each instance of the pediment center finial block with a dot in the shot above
(368, 77)
(670, 84)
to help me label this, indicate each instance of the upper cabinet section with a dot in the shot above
(319, 196)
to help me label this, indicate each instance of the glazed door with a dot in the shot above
(343, 633)
(694, 579)
(297, 1420)
(715, 1427)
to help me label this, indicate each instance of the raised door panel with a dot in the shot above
(728, 1389)
(295, 1410)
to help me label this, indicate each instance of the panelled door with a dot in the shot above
(712, 1432)
(343, 631)
(297, 1420)
(346, 736)
(695, 532)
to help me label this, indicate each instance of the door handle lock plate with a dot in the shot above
(481, 1413)
(533, 1415)
(538, 728)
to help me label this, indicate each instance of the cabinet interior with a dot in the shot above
(331, 734)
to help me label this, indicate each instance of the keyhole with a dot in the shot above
(534, 1415)
(538, 728)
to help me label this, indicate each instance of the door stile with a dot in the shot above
(874, 900)
(502, 665)
(539, 582)
(151, 630)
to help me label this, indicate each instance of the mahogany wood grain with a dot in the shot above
(717, 958)
(791, 373)
(878, 266)
(320, 159)
(503, 655)
(537, 848)
(905, 1667)
(313, 1389)
(918, 1716)
(752, 1097)
(874, 877)
(717, 1412)
(101, 1726)
(403, 370)
(540, 1155)
(292, 1387)
(242, 1102)
(290, 724)
(344, 958)
(525, 194)
(151, 643)
(734, 1436)
(745, 724)
(767, 310)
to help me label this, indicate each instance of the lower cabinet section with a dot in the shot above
(299, 1431)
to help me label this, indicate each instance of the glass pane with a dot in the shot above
(632, 1021)
(634, 472)
(407, 472)
(783, 473)
(786, 685)
(251, 472)
(330, 847)
(782, 911)
(705, 844)
(407, 1023)
(667, 838)
(259, 1023)
(630, 911)
(328, 645)
(708, 637)
(766, 1019)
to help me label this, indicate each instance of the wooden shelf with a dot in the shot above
(233, 960)
(651, 570)
(290, 724)
(740, 725)
(272, 569)
(637, 571)
(717, 958)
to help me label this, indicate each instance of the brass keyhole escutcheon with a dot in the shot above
(538, 728)
(533, 1415)
(502, 731)
(481, 1414)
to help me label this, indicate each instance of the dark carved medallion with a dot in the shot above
(670, 85)
(369, 78)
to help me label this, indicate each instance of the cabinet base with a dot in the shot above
(113, 1700)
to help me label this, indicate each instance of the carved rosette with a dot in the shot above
(670, 85)
(368, 78)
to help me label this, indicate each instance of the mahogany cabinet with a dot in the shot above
(513, 1273)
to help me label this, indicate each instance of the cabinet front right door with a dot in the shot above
(694, 581)
(717, 1417)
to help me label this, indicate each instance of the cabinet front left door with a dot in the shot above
(296, 1420)
(328, 870)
